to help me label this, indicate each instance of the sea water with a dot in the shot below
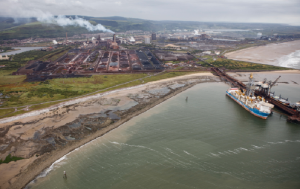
(291, 60)
(208, 141)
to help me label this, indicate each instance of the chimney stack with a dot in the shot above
(114, 38)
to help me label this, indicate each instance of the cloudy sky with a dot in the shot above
(264, 11)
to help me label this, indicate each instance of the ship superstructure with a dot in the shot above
(255, 105)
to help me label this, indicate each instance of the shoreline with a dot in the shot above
(61, 153)
(267, 54)
(36, 165)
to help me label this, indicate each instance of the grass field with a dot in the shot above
(240, 65)
(208, 58)
(43, 93)
(7, 78)
(25, 93)
(4, 112)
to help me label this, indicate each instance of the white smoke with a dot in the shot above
(54, 42)
(24, 9)
(62, 20)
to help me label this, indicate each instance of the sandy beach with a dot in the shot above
(269, 54)
(44, 136)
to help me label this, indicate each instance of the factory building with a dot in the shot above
(259, 35)
(153, 36)
(5, 57)
(132, 40)
(124, 41)
(147, 40)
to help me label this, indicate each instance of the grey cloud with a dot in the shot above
(273, 11)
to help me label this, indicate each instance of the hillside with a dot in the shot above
(26, 28)
(32, 28)
(37, 29)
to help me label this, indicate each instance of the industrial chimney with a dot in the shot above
(114, 38)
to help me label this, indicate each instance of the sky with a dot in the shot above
(257, 11)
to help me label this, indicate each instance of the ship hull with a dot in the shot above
(253, 111)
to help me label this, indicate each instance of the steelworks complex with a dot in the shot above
(109, 54)
(93, 57)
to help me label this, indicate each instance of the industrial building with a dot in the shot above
(153, 36)
(171, 56)
(5, 57)
(79, 62)
(147, 40)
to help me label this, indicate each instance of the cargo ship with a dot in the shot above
(255, 105)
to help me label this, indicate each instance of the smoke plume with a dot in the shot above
(26, 12)
(62, 20)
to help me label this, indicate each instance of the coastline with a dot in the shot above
(268, 54)
(60, 153)
(29, 168)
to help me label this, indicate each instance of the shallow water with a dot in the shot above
(290, 91)
(22, 49)
(207, 142)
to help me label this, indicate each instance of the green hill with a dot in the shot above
(33, 28)
(37, 29)
(26, 28)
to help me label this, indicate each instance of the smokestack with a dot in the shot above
(66, 37)
(114, 38)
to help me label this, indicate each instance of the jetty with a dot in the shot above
(263, 91)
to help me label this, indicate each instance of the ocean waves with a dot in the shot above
(249, 149)
(291, 60)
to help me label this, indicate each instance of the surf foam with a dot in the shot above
(291, 60)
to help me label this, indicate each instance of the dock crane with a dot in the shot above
(265, 89)
(272, 84)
